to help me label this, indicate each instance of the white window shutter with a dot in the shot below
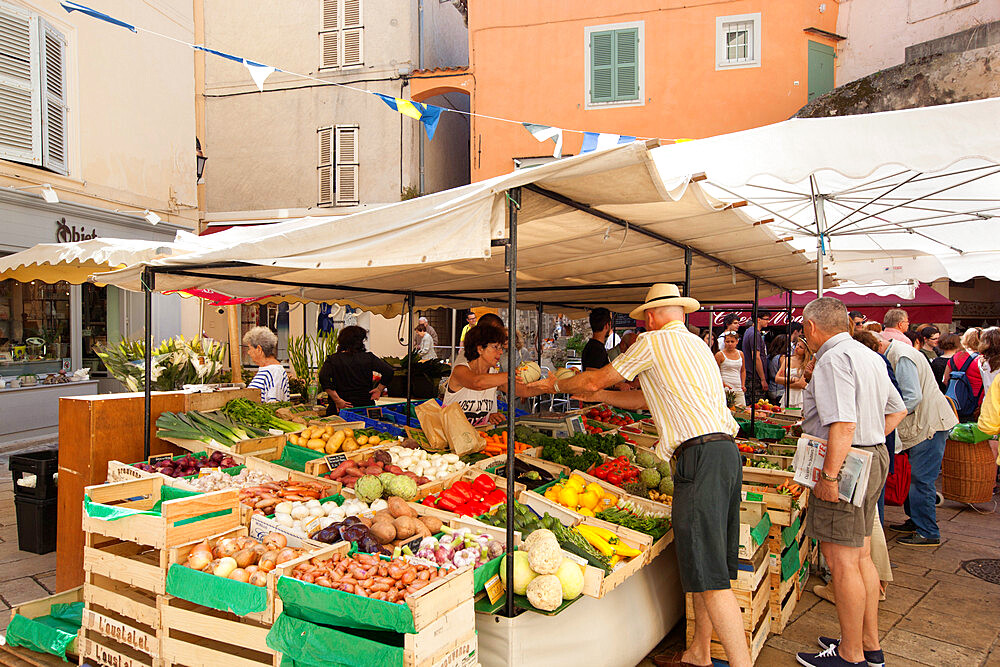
(346, 173)
(352, 14)
(52, 49)
(325, 166)
(331, 14)
(20, 129)
(330, 49)
(353, 53)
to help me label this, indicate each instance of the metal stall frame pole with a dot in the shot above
(513, 204)
(148, 283)
(754, 353)
(788, 348)
(409, 356)
(538, 346)
(687, 277)
(819, 209)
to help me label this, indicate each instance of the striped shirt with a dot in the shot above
(272, 382)
(681, 382)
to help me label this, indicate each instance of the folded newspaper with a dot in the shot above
(810, 454)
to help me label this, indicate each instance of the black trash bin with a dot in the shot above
(36, 524)
(43, 466)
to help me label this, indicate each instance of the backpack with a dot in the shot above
(897, 483)
(963, 400)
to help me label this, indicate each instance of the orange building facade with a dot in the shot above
(669, 69)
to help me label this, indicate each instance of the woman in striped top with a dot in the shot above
(271, 378)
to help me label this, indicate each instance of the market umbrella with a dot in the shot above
(899, 195)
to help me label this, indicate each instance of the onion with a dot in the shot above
(275, 541)
(225, 567)
(239, 574)
(258, 549)
(251, 569)
(266, 565)
(244, 557)
(199, 560)
(228, 546)
(286, 555)
(258, 578)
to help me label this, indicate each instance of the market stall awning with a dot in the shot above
(926, 306)
(584, 223)
(915, 193)
(74, 262)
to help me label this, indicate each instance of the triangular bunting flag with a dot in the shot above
(258, 72)
(84, 9)
(594, 141)
(427, 114)
(544, 133)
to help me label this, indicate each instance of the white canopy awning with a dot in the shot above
(916, 192)
(584, 223)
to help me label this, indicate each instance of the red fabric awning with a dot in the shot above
(927, 306)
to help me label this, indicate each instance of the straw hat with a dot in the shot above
(665, 294)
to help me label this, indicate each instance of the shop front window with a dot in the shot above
(34, 327)
(95, 324)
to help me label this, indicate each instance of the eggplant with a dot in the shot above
(328, 535)
(382, 456)
(370, 545)
(351, 520)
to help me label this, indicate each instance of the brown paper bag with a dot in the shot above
(462, 437)
(429, 414)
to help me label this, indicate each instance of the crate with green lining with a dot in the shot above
(47, 625)
(195, 431)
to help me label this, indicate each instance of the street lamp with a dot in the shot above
(201, 160)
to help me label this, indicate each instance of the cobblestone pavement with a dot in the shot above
(24, 576)
(935, 614)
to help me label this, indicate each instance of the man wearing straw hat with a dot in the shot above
(683, 390)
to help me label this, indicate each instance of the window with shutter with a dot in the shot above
(341, 34)
(20, 126)
(324, 170)
(53, 92)
(614, 73)
(346, 168)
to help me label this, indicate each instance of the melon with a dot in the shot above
(565, 373)
(528, 372)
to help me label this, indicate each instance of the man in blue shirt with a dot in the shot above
(755, 355)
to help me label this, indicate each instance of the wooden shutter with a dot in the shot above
(626, 64)
(352, 35)
(52, 49)
(346, 149)
(341, 34)
(20, 129)
(331, 15)
(602, 66)
(324, 169)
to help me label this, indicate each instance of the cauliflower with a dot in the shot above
(545, 557)
(542, 534)
(545, 592)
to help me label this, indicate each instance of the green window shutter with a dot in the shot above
(626, 64)
(602, 66)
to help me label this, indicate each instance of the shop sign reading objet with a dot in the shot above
(66, 233)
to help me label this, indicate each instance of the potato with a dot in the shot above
(306, 434)
(294, 439)
(383, 515)
(317, 444)
(433, 524)
(350, 445)
(338, 438)
(373, 440)
(398, 507)
(362, 440)
(349, 432)
(324, 436)
(422, 529)
(332, 447)
(383, 531)
(405, 527)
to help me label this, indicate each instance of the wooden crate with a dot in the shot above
(198, 636)
(435, 643)
(268, 447)
(96, 649)
(172, 527)
(34, 609)
(755, 524)
(118, 614)
(782, 602)
(781, 507)
(426, 606)
(789, 549)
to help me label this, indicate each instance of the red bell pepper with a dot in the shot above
(483, 485)
(477, 508)
(464, 489)
(613, 478)
(449, 501)
(463, 510)
(495, 497)
(430, 501)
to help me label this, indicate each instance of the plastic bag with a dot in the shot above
(306, 643)
(463, 438)
(967, 432)
(215, 592)
(429, 414)
(51, 634)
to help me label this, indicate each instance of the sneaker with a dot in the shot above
(918, 540)
(873, 658)
(906, 527)
(826, 658)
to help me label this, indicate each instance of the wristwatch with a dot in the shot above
(828, 477)
(555, 387)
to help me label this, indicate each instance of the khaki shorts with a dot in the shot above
(842, 522)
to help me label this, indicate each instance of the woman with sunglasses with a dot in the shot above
(475, 379)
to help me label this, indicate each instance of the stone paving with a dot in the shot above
(23, 576)
(935, 614)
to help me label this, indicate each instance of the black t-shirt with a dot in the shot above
(594, 355)
(350, 375)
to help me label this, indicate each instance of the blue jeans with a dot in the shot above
(925, 467)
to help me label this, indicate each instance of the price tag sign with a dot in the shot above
(494, 588)
(575, 424)
(156, 458)
(334, 460)
(206, 471)
(753, 497)
(374, 413)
